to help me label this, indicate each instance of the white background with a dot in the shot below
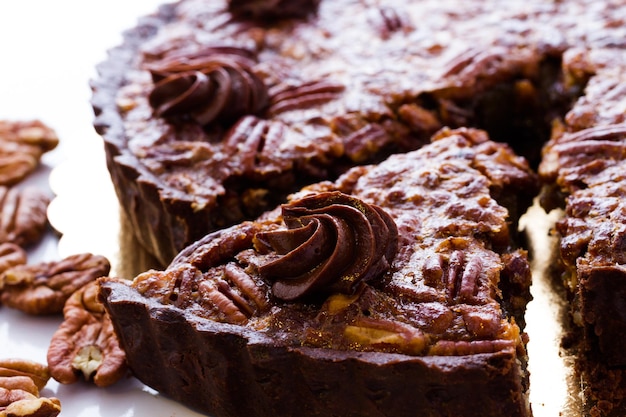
(48, 53)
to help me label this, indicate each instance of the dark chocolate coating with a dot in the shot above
(465, 63)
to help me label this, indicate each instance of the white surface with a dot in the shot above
(48, 53)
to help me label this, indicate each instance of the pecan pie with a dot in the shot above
(213, 113)
(225, 108)
(389, 289)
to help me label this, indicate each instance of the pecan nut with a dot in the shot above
(11, 255)
(311, 93)
(20, 383)
(85, 343)
(23, 404)
(34, 371)
(23, 217)
(254, 144)
(44, 288)
(21, 146)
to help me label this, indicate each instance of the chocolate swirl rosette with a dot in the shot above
(217, 84)
(332, 243)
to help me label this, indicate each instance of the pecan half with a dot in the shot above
(234, 293)
(35, 371)
(254, 145)
(20, 382)
(465, 274)
(31, 406)
(23, 217)
(366, 142)
(10, 256)
(21, 146)
(85, 343)
(302, 96)
(224, 293)
(43, 288)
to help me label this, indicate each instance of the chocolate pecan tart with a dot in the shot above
(214, 112)
(396, 288)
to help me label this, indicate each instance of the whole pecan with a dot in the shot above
(23, 217)
(254, 145)
(27, 405)
(20, 383)
(308, 94)
(44, 287)
(366, 142)
(85, 342)
(21, 146)
(34, 371)
(10, 256)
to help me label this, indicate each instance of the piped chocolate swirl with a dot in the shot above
(332, 243)
(217, 84)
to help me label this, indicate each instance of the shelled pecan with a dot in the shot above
(19, 403)
(43, 288)
(254, 144)
(85, 343)
(23, 217)
(366, 142)
(234, 293)
(21, 146)
(311, 93)
(20, 383)
(34, 371)
(10, 256)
